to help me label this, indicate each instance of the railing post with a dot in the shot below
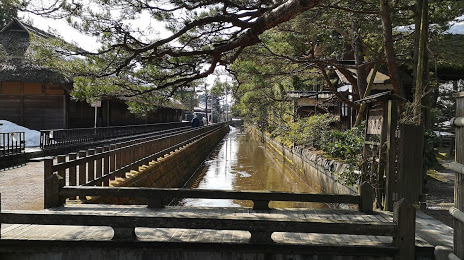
(119, 157)
(52, 186)
(82, 171)
(261, 205)
(113, 158)
(260, 237)
(91, 166)
(404, 215)
(72, 173)
(106, 165)
(124, 233)
(99, 163)
(62, 173)
(366, 201)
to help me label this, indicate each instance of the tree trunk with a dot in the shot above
(389, 49)
(421, 65)
(359, 56)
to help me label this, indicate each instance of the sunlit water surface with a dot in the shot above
(241, 163)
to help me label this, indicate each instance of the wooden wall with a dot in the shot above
(33, 105)
(46, 106)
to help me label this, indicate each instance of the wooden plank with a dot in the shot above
(262, 224)
(209, 194)
(91, 166)
(459, 181)
(99, 163)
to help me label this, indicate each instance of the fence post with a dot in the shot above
(459, 176)
(366, 192)
(106, 165)
(99, 163)
(62, 173)
(52, 186)
(82, 171)
(404, 215)
(72, 173)
(91, 166)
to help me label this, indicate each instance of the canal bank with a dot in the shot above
(313, 168)
(242, 162)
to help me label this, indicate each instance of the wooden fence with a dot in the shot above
(96, 167)
(402, 229)
(12, 143)
(56, 138)
(458, 167)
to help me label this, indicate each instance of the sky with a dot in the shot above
(89, 43)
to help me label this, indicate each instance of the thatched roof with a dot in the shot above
(15, 64)
(450, 56)
(11, 71)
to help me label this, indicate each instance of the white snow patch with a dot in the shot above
(32, 136)
(457, 26)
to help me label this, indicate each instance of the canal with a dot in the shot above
(241, 163)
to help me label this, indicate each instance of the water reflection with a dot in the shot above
(241, 163)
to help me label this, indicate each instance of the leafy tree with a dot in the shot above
(8, 11)
(205, 34)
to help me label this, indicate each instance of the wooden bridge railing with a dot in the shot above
(55, 138)
(402, 229)
(12, 143)
(96, 167)
(158, 197)
(458, 210)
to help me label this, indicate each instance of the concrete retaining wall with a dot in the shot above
(311, 166)
(170, 171)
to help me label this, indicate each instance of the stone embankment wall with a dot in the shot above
(313, 168)
(171, 171)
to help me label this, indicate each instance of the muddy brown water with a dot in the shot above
(242, 163)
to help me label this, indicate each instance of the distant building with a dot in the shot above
(308, 103)
(36, 97)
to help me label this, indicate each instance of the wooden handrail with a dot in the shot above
(260, 226)
(169, 193)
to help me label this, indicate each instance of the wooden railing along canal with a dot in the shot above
(56, 138)
(260, 221)
(96, 167)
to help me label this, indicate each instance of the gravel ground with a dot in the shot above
(440, 194)
(21, 187)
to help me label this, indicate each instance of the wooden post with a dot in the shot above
(113, 159)
(72, 173)
(410, 157)
(459, 178)
(52, 186)
(404, 215)
(106, 165)
(261, 205)
(261, 237)
(366, 192)
(391, 191)
(82, 172)
(99, 163)
(82, 168)
(91, 166)
(119, 157)
(62, 173)
(124, 233)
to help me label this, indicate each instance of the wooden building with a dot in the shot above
(36, 97)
